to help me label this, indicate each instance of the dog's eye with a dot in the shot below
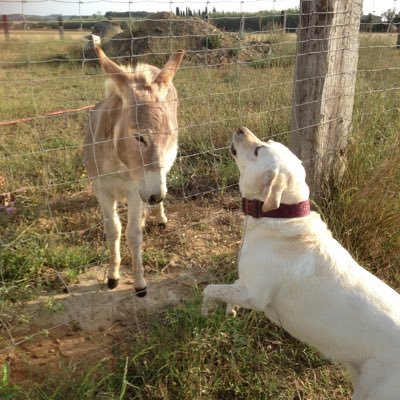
(256, 150)
(233, 150)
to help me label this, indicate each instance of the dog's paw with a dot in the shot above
(205, 310)
(207, 306)
(230, 311)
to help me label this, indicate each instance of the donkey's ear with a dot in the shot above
(168, 72)
(276, 183)
(117, 74)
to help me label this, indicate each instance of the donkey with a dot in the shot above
(130, 145)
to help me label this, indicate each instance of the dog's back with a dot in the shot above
(322, 296)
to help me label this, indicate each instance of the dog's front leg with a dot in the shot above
(230, 310)
(232, 295)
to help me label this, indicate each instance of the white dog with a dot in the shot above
(293, 270)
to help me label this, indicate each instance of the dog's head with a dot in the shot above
(269, 171)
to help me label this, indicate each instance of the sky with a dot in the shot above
(89, 7)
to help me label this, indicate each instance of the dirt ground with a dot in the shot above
(206, 43)
(89, 322)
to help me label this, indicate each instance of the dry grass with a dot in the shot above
(56, 228)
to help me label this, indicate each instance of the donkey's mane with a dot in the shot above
(144, 75)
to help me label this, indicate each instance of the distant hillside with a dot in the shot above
(52, 17)
(36, 18)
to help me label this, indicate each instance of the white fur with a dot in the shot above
(304, 280)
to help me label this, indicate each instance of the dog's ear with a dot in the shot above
(276, 184)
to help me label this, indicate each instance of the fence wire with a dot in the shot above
(233, 74)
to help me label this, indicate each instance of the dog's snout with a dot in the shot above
(241, 133)
(241, 130)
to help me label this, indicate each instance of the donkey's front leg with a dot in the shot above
(232, 295)
(159, 214)
(112, 228)
(134, 237)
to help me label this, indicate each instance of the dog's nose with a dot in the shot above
(241, 133)
(241, 130)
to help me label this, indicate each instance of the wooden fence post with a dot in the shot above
(398, 37)
(61, 27)
(241, 27)
(6, 27)
(283, 20)
(323, 98)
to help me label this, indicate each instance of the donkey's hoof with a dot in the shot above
(112, 283)
(141, 292)
(162, 225)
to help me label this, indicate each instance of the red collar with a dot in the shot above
(254, 208)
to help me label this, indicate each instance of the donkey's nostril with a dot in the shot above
(154, 199)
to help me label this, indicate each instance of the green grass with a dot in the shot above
(365, 211)
(216, 358)
(184, 355)
(56, 228)
(32, 263)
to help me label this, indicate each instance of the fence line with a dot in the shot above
(49, 114)
(40, 159)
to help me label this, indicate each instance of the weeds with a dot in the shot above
(8, 390)
(31, 263)
(56, 229)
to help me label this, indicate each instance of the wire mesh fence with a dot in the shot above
(238, 70)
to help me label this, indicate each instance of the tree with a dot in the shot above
(389, 15)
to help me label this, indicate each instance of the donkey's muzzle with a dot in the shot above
(155, 199)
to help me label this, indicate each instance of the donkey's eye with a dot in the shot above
(141, 140)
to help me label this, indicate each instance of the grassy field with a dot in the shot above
(54, 232)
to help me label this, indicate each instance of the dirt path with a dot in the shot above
(85, 325)
(90, 322)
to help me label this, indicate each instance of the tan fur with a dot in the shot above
(144, 76)
(130, 145)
